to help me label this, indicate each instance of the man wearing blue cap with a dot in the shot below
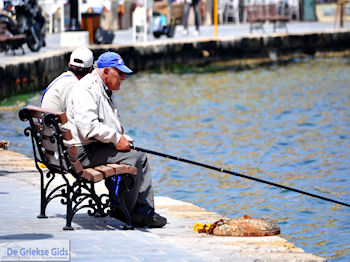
(100, 137)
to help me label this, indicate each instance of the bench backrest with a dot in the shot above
(271, 10)
(274, 11)
(48, 137)
(3, 27)
(255, 12)
(262, 12)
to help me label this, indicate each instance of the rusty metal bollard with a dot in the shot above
(4, 144)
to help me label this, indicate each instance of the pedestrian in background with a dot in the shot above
(121, 12)
(195, 4)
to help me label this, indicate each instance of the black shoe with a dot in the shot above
(117, 214)
(150, 219)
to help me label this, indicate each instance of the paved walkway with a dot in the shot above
(93, 240)
(124, 38)
(102, 239)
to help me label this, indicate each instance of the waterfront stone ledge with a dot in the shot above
(34, 71)
(102, 238)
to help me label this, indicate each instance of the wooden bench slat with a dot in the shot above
(19, 36)
(37, 113)
(52, 159)
(259, 13)
(12, 42)
(118, 169)
(66, 133)
(123, 169)
(78, 167)
(105, 170)
(46, 143)
(271, 12)
(72, 151)
(92, 175)
(3, 38)
(130, 169)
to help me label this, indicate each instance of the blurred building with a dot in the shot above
(117, 14)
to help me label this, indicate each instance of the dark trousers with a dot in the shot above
(141, 196)
(196, 9)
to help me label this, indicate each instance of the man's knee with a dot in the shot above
(133, 158)
(141, 158)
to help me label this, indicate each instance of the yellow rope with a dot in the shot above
(201, 228)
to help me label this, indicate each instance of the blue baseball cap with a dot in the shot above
(112, 59)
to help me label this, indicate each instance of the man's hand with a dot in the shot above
(123, 144)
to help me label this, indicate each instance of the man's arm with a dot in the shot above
(85, 110)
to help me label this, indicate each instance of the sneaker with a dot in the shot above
(150, 219)
(185, 32)
(196, 33)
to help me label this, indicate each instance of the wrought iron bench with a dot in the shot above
(47, 136)
(257, 15)
(3, 37)
(12, 42)
(278, 20)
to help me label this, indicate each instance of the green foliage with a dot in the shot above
(17, 99)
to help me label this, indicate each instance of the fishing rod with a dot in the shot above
(237, 174)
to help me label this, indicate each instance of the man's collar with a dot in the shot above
(108, 92)
(104, 85)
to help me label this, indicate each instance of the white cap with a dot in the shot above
(82, 57)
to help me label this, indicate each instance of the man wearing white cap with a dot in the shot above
(56, 95)
(100, 138)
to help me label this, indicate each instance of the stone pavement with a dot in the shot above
(102, 239)
(93, 239)
(124, 38)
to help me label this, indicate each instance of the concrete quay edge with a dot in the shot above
(34, 71)
(103, 239)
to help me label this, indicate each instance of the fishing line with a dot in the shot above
(237, 174)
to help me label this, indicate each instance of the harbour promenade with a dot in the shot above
(102, 239)
(234, 45)
(124, 38)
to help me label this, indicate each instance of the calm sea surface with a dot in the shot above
(289, 125)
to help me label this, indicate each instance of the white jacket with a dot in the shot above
(91, 113)
(56, 95)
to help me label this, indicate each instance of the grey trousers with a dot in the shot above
(197, 11)
(98, 153)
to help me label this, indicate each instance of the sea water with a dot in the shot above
(286, 124)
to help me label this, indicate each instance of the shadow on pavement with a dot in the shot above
(94, 223)
(84, 221)
(27, 236)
